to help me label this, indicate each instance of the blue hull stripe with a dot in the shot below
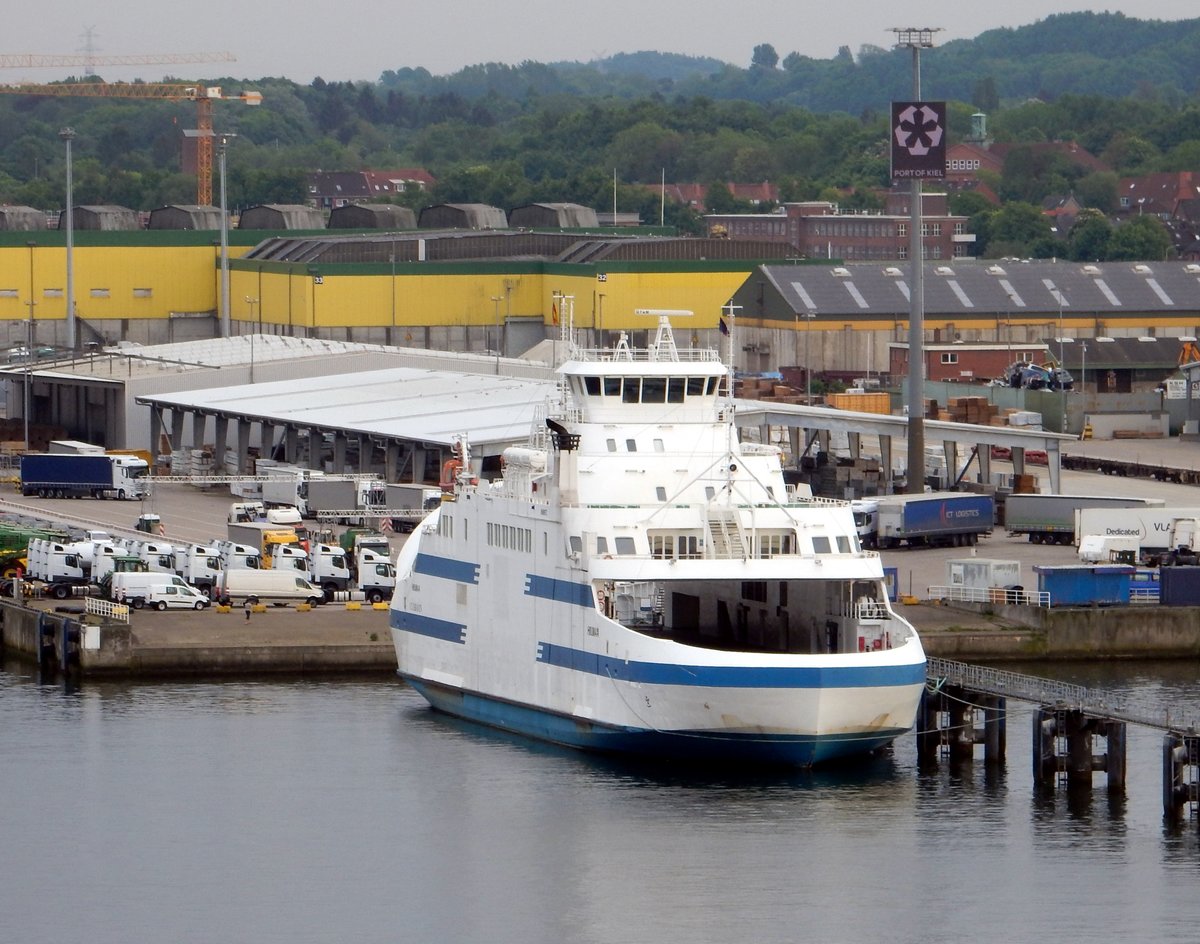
(731, 676)
(447, 568)
(774, 749)
(428, 626)
(561, 591)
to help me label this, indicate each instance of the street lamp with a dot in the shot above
(807, 316)
(253, 303)
(916, 39)
(68, 135)
(496, 307)
(29, 347)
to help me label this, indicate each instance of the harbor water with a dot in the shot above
(344, 809)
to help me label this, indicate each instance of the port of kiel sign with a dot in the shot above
(918, 140)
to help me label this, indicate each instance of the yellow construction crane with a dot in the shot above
(203, 96)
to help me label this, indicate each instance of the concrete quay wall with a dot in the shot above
(1070, 633)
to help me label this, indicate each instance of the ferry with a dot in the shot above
(639, 581)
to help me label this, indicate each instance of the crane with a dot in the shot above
(202, 95)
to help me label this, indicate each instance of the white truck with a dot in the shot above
(418, 500)
(375, 575)
(328, 568)
(1144, 529)
(235, 556)
(199, 565)
(56, 564)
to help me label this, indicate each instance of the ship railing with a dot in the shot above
(871, 611)
(1144, 596)
(693, 354)
(1010, 597)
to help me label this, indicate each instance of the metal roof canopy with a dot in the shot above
(423, 406)
(757, 413)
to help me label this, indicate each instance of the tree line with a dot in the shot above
(509, 135)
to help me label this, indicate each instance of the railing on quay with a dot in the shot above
(96, 606)
(960, 594)
(1044, 691)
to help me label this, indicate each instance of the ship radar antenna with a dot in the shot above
(662, 348)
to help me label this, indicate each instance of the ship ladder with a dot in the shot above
(727, 538)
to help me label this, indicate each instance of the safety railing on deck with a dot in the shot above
(960, 594)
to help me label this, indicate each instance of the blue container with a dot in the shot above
(1085, 584)
(1180, 586)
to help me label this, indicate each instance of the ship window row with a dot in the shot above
(650, 389)
(509, 537)
(689, 545)
(631, 445)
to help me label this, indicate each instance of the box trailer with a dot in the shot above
(1051, 519)
(1148, 529)
(948, 519)
(70, 475)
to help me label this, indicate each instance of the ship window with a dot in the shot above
(625, 545)
(695, 386)
(612, 445)
(689, 547)
(662, 545)
(631, 445)
(654, 390)
(843, 544)
(592, 386)
(775, 545)
(612, 386)
(632, 390)
(712, 384)
(709, 492)
(658, 446)
(675, 389)
(660, 493)
(821, 544)
(601, 545)
(576, 544)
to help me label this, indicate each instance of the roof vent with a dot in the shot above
(1142, 268)
(1147, 340)
(996, 270)
(943, 270)
(1192, 267)
(841, 272)
(896, 272)
(1104, 340)
(1091, 270)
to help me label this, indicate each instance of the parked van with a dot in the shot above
(267, 586)
(173, 596)
(147, 588)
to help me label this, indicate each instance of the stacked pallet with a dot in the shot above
(976, 410)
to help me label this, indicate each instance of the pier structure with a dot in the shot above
(965, 704)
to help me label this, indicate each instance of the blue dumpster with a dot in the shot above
(1085, 584)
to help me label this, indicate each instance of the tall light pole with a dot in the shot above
(29, 347)
(916, 40)
(222, 145)
(496, 306)
(253, 303)
(808, 316)
(68, 135)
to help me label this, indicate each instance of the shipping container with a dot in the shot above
(982, 573)
(1085, 584)
(1179, 586)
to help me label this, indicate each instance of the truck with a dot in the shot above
(67, 475)
(1144, 529)
(235, 556)
(288, 488)
(420, 498)
(264, 536)
(375, 575)
(1051, 519)
(57, 565)
(329, 568)
(932, 519)
(1184, 550)
(199, 565)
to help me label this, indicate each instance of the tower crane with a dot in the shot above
(202, 95)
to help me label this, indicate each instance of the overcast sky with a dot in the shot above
(300, 39)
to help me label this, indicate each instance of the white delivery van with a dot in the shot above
(279, 587)
(173, 596)
(147, 588)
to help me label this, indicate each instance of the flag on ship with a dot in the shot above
(724, 326)
(554, 312)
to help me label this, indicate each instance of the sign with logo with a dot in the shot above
(918, 140)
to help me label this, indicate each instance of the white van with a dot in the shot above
(173, 596)
(146, 588)
(267, 586)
